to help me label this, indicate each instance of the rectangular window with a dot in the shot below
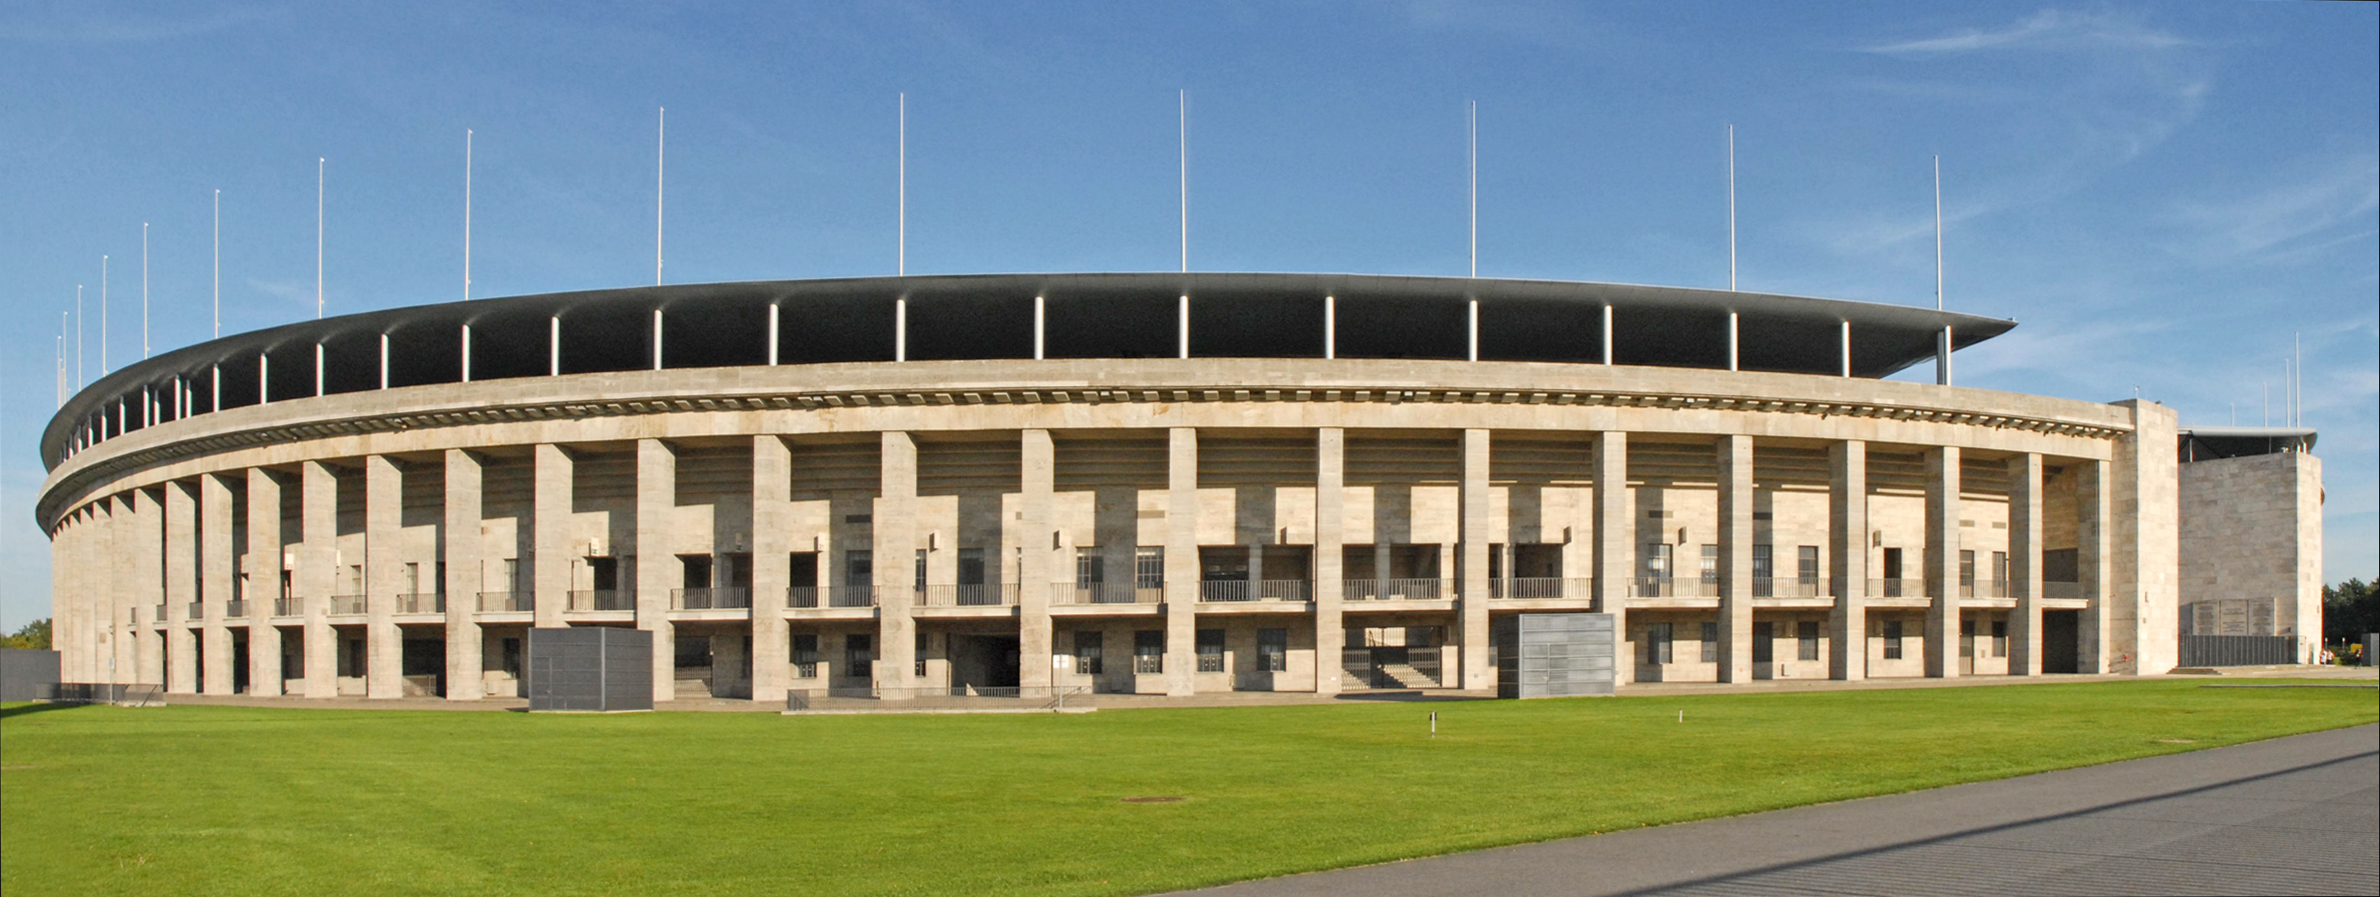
(1967, 571)
(859, 567)
(1808, 563)
(1148, 651)
(917, 577)
(859, 656)
(1764, 570)
(1089, 652)
(1892, 639)
(1656, 561)
(1148, 567)
(2000, 574)
(1657, 643)
(1089, 571)
(805, 655)
(1764, 642)
(1710, 642)
(1210, 650)
(1710, 568)
(1966, 638)
(1999, 638)
(412, 578)
(1272, 650)
(970, 566)
(511, 662)
(1806, 633)
(697, 569)
(919, 659)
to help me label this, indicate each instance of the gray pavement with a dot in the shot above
(2297, 815)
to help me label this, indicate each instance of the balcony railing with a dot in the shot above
(507, 602)
(1260, 590)
(852, 596)
(715, 598)
(1542, 587)
(235, 608)
(1800, 587)
(1984, 590)
(197, 609)
(347, 605)
(801, 596)
(289, 607)
(2065, 591)
(1393, 589)
(421, 603)
(981, 594)
(160, 617)
(1107, 593)
(1897, 588)
(602, 599)
(1667, 587)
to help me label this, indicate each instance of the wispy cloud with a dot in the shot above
(2313, 205)
(2049, 29)
(1557, 26)
(85, 23)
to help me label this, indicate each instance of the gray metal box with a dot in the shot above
(1555, 655)
(590, 669)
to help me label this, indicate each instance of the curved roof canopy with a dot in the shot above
(993, 316)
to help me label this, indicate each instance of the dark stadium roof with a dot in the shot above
(990, 316)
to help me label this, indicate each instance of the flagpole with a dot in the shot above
(217, 258)
(660, 171)
(466, 214)
(318, 164)
(144, 289)
(1937, 233)
(1185, 159)
(901, 237)
(1731, 207)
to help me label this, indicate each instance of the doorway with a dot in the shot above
(980, 663)
(1967, 647)
(1892, 573)
(2061, 641)
(1764, 650)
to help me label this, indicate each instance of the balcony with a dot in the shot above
(992, 594)
(1985, 590)
(717, 598)
(1897, 588)
(346, 605)
(602, 599)
(160, 617)
(197, 610)
(235, 608)
(287, 607)
(1107, 593)
(851, 596)
(1667, 587)
(1393, 589)
(421, 603)
(801, 596)
(2062, 591)
(1802, 587)
(1261, 590)
(507, 602)
(1542, 587)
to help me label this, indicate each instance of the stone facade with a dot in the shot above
(2250, 547)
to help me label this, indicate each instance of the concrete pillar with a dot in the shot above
(78, 610)
(143, 548)
(1942, 561)
(124, 534)
(656, 495)
(264, 582)
(1473, 635)
(2024, 563)
(2145, 535)
(459, 546)
(68, 594)
(384, 562)
(2091, 525)
(1735, 558)
(895, 548)
(1181, 561)
(1615, 552)
(550, 531)
(317, 573)
(181, 585)
(772, 566)
(1847, 540)
(1330, 499)
(1035, 633)
(215, 582)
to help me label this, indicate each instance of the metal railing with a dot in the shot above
(421, 603)
(507, 602)
(978, 594)
(347, 605)
(1668, 587)
(1897, 588)
(1992, 589)
(1521, 587)
(2061, 590)
(714, 598)
(1106, 593)
(1393, 589)
(235, 608)
(289, 607)
(1799, 587)
(851, 596)
(801, 596)
(1259, 590)
(602, 599)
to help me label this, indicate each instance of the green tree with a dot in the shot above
(34, 635)
(2349, 610)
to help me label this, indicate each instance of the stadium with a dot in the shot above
(1158, 484)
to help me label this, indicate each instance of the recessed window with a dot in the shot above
(1892, 639)
(1148, 651)
(1210, 650)
(1272, 650)
(1089, 652)
(805, 655)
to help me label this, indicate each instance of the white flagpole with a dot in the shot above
(217, 260)
(901, 237)
(78, 337)
(466, 214)
(144, 289)
(1474, 188)
(1731, 207)
(1937, 233)
(1185, 158)
(103, 315)
(318, 163)
(660, 163)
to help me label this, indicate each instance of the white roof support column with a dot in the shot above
(215, 399)
(318, 356)
(1330, 326)
(1184, 315)
(773, 334)
(1846, 348)
(1942, 357)
(1039, 332)
(1471, 335)
(901, 329)
(553, 344)
(466, 353)
(384, 361)
(1607, 335)
(264, 372)
(656, 339)
(1735, 342)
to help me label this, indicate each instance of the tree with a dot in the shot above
(2349, 610)
(34, 635)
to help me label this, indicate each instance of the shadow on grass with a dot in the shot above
(1410, 697)
(12, 711)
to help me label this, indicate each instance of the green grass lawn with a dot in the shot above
(223, 800)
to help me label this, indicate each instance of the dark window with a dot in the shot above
(1763, 571)
(1999, 638)
(1764, 642)
(920, 657)
(1710, 642)
(859, 656)
(1089, 569)
(1272, 650)
(970, 566)
(1148, 651)
(1148, 567)
(511, 662)
(1210, 650)
(1892, 639)
(1657, 643)
(1809, 565)
(1967, 570)
(1808, 632)
(1089, 652)
(805, 655)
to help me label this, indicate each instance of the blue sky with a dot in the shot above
(2161, 194)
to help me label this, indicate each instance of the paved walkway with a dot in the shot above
(2298, 815)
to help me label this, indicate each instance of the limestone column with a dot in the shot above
(460, 546)
(1847, 542)
(656, 495)
(66, 567)
(74, 621)
(1735, 558)
(317, 573)
(1942, 561)
(1330, 501)
(124, 529)
(1615, 552)
(384, 559)
(215, 582)
(895, 549)
(2145, 542)
(2092, 510)
(143, 548)
(550, 533)
(264, 582)
(772, 566)
(2024, 563)
(1181, 561)
(181, 585)
(1476, 674)
(1035, 632)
